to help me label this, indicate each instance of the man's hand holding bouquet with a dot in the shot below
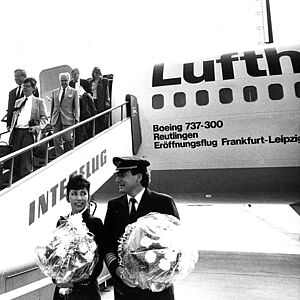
(154, 252)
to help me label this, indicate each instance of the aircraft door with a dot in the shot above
(133, 112)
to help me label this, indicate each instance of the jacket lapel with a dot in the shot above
(33, 108)
(68, 92)
(124, 207)
(59, 94)
(145, 204)
(62, 100)
(19, 102)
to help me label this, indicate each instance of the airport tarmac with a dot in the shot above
(245, 252)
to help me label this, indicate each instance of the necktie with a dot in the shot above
(18, 92)
(63, 95)
(22, 104)
(133, 213)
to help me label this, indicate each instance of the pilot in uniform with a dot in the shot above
(132, 178)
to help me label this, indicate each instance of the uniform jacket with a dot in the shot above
(117, 218)
(38, 111)
(68, 109)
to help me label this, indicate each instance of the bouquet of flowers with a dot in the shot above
(154, 252)
(70, 255)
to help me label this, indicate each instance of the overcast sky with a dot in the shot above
(118, 34)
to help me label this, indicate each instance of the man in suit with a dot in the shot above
(29, 118)
(81, 85)
(15, 94)
(64, 113)
(132, 178)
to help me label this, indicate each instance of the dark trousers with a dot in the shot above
(101, 123)
(80, 292)
(23, 164)
(83, 133)
(123, 292)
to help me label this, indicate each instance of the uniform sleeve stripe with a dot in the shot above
(109, 258)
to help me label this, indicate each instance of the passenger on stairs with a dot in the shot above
(29, 118)
(64, 113)
(100, 90)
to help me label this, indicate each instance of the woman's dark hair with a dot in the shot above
(78, 182)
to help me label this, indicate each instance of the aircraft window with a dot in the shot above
(250, 93)
(179, 99)
(157, 101)
(297, 89)
(202, 97)
(275, 91)
(225, 95)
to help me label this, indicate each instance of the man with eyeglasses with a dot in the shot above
(29, 118)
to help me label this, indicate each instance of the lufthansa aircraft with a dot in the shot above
(224, 124)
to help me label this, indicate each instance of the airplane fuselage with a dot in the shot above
(231, 121)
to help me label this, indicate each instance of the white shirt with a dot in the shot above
(21, 89)
(137, 197)
(25, 114)
(77, 84)
(94, 88)
(79, 88)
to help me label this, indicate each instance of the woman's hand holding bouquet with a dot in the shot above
(71, 254)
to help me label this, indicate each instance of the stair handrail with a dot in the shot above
(12, 155)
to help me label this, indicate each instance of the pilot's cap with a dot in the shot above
(124, 164)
